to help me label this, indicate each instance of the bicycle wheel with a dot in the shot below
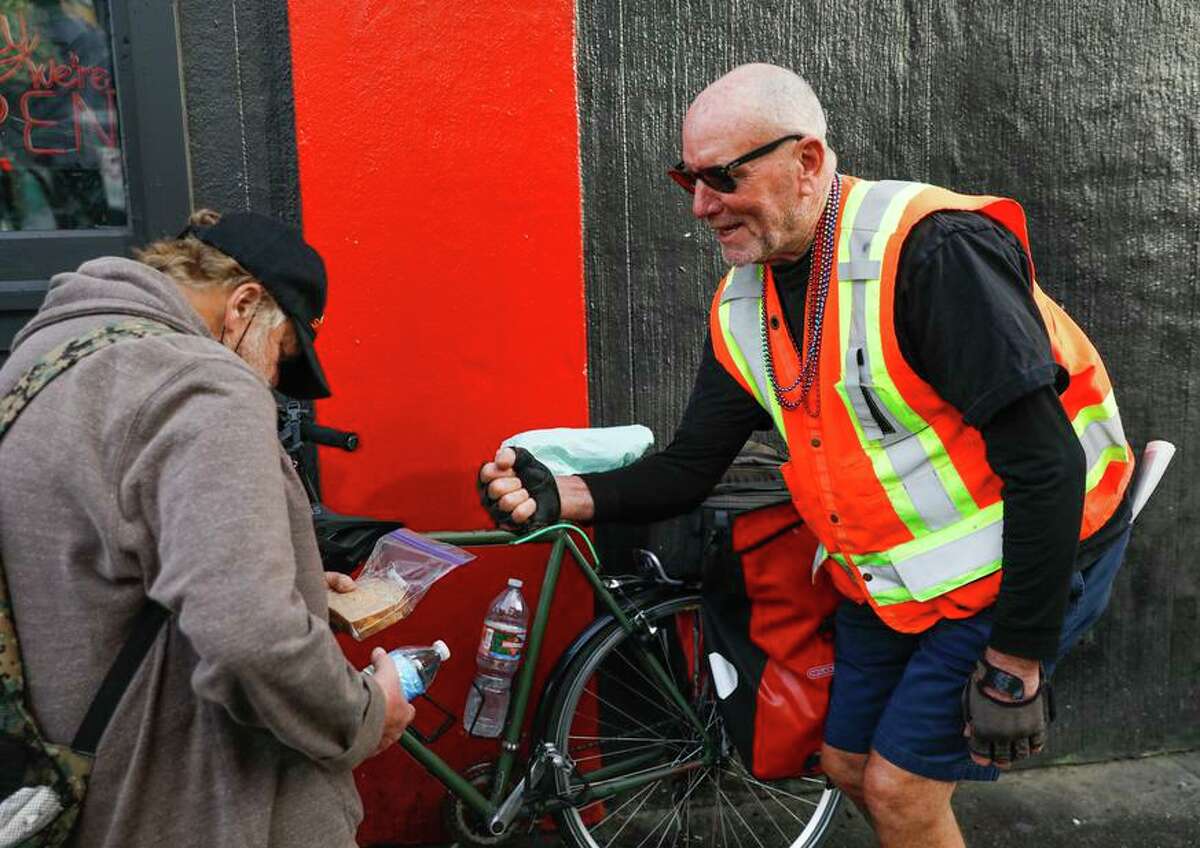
(615, 723)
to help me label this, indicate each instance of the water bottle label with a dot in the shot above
(502, 644)
(410, 679)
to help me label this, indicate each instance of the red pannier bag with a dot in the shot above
(768, 633)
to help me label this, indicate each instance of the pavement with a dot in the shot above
(1149, 802)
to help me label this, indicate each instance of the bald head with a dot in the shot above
(759, 98)
(765, 207)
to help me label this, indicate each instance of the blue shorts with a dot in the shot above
(900, 693)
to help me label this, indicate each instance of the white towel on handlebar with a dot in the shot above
(582, 450)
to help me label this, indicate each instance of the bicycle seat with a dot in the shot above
(346, 540)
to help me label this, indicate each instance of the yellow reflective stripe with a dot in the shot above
(924, 488)
(1102, 436)
(1111, 454)
(1101, 411)
(934, 564)
(959, 580)
(851, 320)
(892, 596)
(845, 288)
(937, 562)
(886, 390)
(913, 508)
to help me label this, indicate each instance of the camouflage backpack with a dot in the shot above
(42, 784)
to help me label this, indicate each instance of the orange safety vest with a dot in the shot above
(893, 482)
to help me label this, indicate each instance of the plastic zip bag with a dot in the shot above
(398, 573)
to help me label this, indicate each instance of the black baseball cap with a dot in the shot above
(277, 255)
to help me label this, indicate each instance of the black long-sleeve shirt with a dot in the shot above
(966, 322)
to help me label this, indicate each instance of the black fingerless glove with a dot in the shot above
(538, 481)
(1006, 731)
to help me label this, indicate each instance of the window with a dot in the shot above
(93, 152)
(61, 166)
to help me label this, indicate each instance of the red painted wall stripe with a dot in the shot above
(438, 149)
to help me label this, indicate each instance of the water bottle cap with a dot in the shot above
(515, 583)
(442, 649)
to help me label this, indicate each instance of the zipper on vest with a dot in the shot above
(877, 415)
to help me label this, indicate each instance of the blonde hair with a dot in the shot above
(191, 263)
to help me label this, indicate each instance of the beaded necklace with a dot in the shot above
(814, 310)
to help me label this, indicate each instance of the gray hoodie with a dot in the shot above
(152, 470)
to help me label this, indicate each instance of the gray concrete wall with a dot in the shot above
(237, 69)
(1086, 112)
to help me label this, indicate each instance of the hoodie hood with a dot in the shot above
(112, 285)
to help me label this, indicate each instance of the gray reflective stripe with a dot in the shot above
(745, 325)
(905, 452)
(925, 572)
(859, 269)
(866, 224)
(852, 370)
(856, 263)
(924, 487)
(744, 296)
(883, 579)
(932, 571)
(746, 282)
(1100, 435)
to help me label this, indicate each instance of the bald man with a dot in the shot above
(955, 444)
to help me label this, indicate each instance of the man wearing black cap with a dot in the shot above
(291, 272)
(150, 473)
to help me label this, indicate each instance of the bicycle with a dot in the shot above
(626, 746)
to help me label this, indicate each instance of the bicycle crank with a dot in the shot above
(467, 826)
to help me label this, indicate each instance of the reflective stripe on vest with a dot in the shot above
(935, 563)
(912, 466)
(1102, 435)
(954, 540)
(741, 318)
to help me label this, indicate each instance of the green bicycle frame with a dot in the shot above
(560, 542)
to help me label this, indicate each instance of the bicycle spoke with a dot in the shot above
(607, 703)
(656, 726)
(742, 819)
(633, 729)
(819, 781)
(672, 814)
(651, 787)
(721, 812)
(655, 784)
(631, 749)
(678, 761)
(768, 816)
(663, 704)
(625, 738)
(649, 681)
(774, 791)
(648, 788)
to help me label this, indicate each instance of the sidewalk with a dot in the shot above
(1146, 803)
(1152, 802)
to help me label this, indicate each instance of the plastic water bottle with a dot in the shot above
(417, 666)
(499, 654)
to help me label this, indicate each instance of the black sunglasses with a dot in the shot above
(717, 177)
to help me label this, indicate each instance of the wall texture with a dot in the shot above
(237, 69)
(1083, 111)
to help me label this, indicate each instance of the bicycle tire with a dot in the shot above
(604, 692)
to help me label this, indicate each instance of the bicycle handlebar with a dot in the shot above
(329, 436)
